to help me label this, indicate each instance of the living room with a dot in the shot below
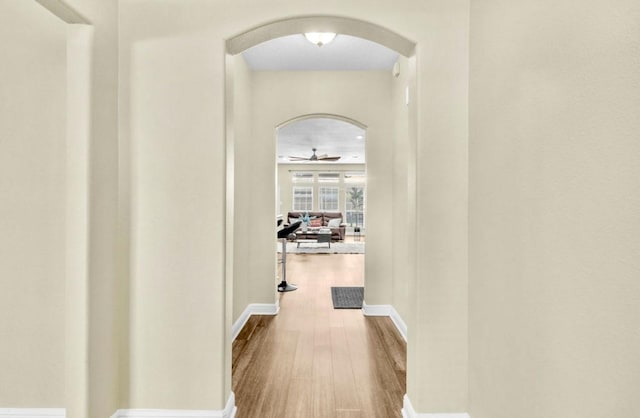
(323, 187)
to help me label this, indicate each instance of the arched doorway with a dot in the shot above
(247, 159)
(321, 175)
(329, 175)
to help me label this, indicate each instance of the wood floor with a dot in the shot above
(315, 361)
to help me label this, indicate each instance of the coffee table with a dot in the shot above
(320, 236)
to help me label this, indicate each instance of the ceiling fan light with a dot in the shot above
(320, 38)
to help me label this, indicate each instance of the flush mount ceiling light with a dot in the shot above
(320, 38)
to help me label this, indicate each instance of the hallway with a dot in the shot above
(315, 361)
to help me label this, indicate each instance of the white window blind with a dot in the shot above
(301, 177)
(302, 198)
(328, 177)
(328, 199)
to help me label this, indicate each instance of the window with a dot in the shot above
(333, 190)
(354, 204)
(302, 198)
(328, 199)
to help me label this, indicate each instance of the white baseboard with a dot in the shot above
(229, 411)
(33, 413)
(386, 310)
(253, 309)
(399, 323)
(409, 412)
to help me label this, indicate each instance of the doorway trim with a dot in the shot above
(320, 23)
(323, 115)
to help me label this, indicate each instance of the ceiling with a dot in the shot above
(330, 136)
(345, 53)
(295, 53)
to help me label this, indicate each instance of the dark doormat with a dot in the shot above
(347, 297)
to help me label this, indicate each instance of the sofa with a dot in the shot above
(322, 220)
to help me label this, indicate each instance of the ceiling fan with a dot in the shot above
(315, 157)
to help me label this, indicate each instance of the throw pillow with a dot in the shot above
(334, 222)
(293, 220)
(316, 222)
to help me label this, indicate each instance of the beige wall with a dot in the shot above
(32, 206)
(437, 349)
(554, 209)
(403, 192)
(244, 212)
(173, 127)
(96, 392)
(309, 92)
(78, 115)
(60, 117)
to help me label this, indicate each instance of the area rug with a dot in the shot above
(347, 297)
(322, 248)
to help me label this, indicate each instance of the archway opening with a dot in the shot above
(258, 102)
(321, 167)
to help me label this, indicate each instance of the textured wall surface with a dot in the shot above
(32, 206)
(554, 209)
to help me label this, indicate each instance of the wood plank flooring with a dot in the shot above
(315, 361)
